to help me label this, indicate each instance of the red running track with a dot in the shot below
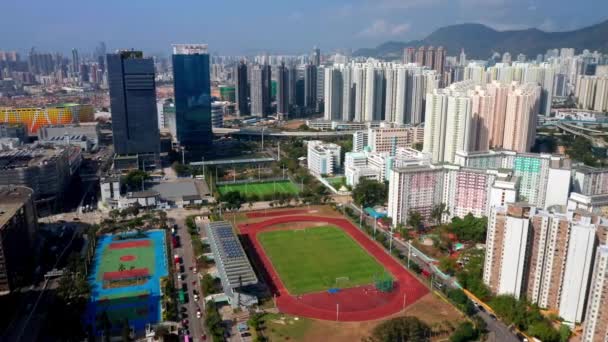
(129, 244)
(258, 214)
(355, 304)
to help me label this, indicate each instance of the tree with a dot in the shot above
(401, 329)
(208, 285)
(135, 179)
(470, 228)
(447, 265)
(414, 219)
(464, 332)
(121, 267)
(544, 331)
(233, 200)
(369, 193)
(438, 211)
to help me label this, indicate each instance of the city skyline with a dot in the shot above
(275, 28)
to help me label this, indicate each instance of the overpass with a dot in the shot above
(248, 132)
(593, 135)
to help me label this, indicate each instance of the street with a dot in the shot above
(190, 280)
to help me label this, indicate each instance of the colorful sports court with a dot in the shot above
(125, 281)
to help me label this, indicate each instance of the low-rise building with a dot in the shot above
(18, 226)
(46, 170)
(233, 267)
(323, 158)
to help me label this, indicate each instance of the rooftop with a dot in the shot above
(30, 155)
(12, 199)
(231, 259)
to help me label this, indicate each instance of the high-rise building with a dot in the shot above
(192, 87)
(439, 63)
(310, 86)
(596, 320)
(348, 94)
(133, 103)
(333, 94)
(421, 56)
(462, 60)
(260, 90)
(282, 91)
(242, 89)
(292, 79)
(316, 56)
(429, 57)
(543, 255)
(448, 124)
(520, 119)
(409, 55)
(75, 61)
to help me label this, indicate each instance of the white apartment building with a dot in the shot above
(579, 262)
(323, 158)
(596, 320)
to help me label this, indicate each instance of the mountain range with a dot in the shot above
(480, 41)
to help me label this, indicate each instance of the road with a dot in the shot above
(192, 280)
(499, 329)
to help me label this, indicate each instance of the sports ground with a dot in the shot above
(261, 188)
(318, 259)
(125, 281)
(326, 256)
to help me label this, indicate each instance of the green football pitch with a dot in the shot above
(261, 189)
(111, 259)
(316, 259)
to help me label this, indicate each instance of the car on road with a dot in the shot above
(198, 314)
(492, 316)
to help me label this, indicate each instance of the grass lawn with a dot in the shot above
(284, 327)
(110, 259)
(261, 189)
(311, 259)
(336, 182)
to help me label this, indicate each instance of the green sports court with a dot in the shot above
(261, 188)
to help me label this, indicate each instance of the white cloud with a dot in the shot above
(383, 28)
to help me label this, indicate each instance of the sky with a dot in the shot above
(274, 26)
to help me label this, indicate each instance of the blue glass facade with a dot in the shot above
(192, 87)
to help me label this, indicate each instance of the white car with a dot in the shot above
(179, 277)
(198, 314)
(195, 297)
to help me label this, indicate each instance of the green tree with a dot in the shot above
(233, 200)
(369, 193)
(121, 267)
(438, 211)
(464, 332)
(135, 179)
(414, 219)
(208, 285)
(448, 265)
(564, 333)
(470, 228)
(401, 329)
(544, 331)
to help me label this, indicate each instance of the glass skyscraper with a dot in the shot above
(133, 103)
(192, 88)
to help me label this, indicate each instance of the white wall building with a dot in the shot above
(323, 158)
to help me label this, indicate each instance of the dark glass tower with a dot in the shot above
(282, 91)
(242, 90)
(192, 88)
(133, 103)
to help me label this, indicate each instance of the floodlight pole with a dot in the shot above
(337, 312)
(404, 296)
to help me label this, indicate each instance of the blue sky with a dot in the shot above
(284, 26)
